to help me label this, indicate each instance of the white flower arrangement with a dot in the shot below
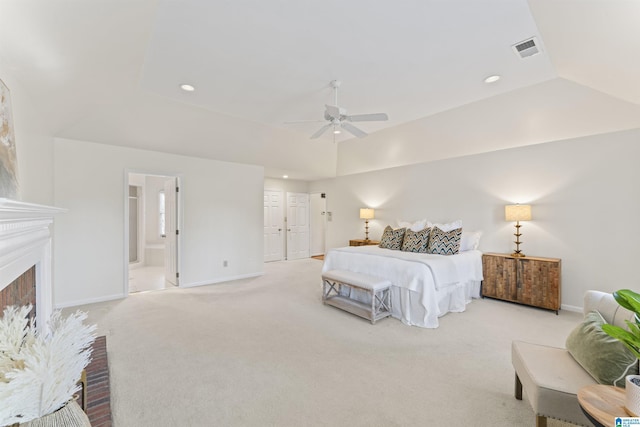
(39, 373)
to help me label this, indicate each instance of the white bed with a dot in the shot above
(425, 286)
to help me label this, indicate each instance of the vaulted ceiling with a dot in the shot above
(110, 71)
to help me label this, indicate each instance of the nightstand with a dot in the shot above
(526, 280)
(362, 242)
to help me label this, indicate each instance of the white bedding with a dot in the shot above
(425, 286)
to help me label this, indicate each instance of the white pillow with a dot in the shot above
(470, 240)
(446, 227)
(413, 226)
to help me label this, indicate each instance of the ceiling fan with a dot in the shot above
(338, 118)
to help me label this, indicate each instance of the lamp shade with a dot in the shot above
(517, 213)
(366, 213)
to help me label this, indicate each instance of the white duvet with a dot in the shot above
(429, 278)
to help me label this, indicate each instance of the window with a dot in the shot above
(161, 216)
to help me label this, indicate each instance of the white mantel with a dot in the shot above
(25, 241)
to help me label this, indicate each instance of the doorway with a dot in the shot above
(152, 232)
(294, 225)
(318, 222)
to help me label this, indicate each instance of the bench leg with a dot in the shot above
(541, 421)
(326, 291)
(518, 390)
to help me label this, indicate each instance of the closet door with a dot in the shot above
(297, 225)
(273, 239)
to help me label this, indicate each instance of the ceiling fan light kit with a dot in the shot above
(338, 118)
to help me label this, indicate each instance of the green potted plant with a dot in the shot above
(39, 371)
(631, 339)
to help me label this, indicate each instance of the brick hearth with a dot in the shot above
(98, 388)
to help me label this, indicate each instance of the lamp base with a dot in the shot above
(366, 228)
(518, 255)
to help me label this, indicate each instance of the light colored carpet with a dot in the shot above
(267, 352)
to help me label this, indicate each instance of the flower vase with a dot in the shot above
(70, 415)
(632, 395)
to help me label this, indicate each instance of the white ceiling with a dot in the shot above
(109, 70)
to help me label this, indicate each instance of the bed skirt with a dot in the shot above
(407, 305)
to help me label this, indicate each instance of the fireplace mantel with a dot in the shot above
(25, 241)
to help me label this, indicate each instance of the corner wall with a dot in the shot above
(222, 212)
(584, 196)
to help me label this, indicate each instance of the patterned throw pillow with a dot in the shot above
(416, 241)
(392, 239)
(444, 242)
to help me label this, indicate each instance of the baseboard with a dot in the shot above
(89, 301)
(182, 285)
(571, 308)
(220, 280)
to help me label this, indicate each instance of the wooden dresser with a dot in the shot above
(527, 280)
(363, 242)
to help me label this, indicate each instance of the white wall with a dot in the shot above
(222, 218)
(584, 196)
(550, 111)
(286, 185)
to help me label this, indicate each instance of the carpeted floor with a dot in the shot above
(267, 352)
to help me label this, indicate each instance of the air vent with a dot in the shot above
(526, 48)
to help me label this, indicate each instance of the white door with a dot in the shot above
(171, 273)
(273, 226)
(318, 215)
(297, 225)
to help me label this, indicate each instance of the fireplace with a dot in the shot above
(25, 257)
(21, 291)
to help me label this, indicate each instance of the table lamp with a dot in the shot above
(517, 213)
(366, 214)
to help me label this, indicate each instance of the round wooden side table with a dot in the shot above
(602, 404)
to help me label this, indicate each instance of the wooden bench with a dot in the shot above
(336, 285)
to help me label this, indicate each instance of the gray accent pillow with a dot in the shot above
(392, 239)
(605, 358)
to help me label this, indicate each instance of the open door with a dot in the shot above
(171, 231)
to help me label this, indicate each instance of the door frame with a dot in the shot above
(141, 232)
(179, 225)
(324, 223)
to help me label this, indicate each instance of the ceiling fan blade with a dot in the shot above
(353, 130)
(373, 117)
(322, 130)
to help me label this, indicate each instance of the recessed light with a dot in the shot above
(187, 88)
(336, 132)
(285, 176)
(492, 79)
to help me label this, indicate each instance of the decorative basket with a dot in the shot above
(632, 395)
(70, 415)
